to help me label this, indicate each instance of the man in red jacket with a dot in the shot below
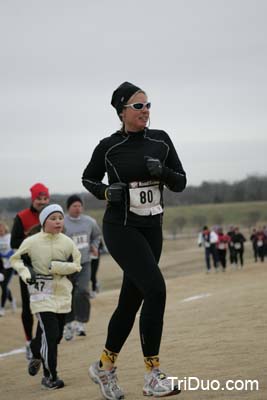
(25, 221)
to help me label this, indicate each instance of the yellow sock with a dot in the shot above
(107, 359)
(151, 362)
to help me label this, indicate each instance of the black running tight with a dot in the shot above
(6, 292)
(137, 251)
(94, 269)
(26, 315)
(49, 333)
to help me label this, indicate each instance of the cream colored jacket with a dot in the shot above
(50, 258)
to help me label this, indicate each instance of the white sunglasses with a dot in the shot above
(138, 106)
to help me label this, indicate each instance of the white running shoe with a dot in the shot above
(80, 331)
(107, 380)
(2, 312)
(68, 331)
(157, 384)
(28, 351)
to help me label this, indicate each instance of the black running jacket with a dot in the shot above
(122, 157)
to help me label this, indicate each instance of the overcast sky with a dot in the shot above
(203, 64)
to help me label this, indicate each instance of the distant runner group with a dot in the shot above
(218, 244)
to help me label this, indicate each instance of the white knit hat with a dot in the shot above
(48, 210)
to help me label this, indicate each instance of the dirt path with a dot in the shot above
(215, 328)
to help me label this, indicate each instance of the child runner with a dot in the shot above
(50, 256)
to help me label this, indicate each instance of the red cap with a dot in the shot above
(38, 189)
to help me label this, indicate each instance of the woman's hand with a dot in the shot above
(154, 167)
(115, 193)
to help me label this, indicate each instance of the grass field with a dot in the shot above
(227, 213)
(245, 214)
(215, 328)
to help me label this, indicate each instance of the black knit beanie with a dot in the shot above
(72, 200)
(122, 94)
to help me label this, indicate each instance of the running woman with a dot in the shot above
(138, 162)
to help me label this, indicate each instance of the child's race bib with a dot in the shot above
(145, 198)
(42, 289)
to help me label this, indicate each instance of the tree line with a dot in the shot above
(252, 188)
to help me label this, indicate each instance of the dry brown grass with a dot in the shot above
(222, 336)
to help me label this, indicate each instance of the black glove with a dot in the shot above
(32, 279)
(154, 167)
(115, 193)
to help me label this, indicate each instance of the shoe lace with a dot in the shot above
(113, 380)
(159, 375)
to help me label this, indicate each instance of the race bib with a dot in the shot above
(42, 289)
(145, 198)
(221, 246)
(237, 246)
(81, 240)
(259, 243)
(207, 244)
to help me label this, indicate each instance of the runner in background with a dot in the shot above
(6, 272)
(232, 255)
(208, 240)
(265, 233)
(238, 240)
(222, 245)
(85, 233)
(260, 241)
(253, 239)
